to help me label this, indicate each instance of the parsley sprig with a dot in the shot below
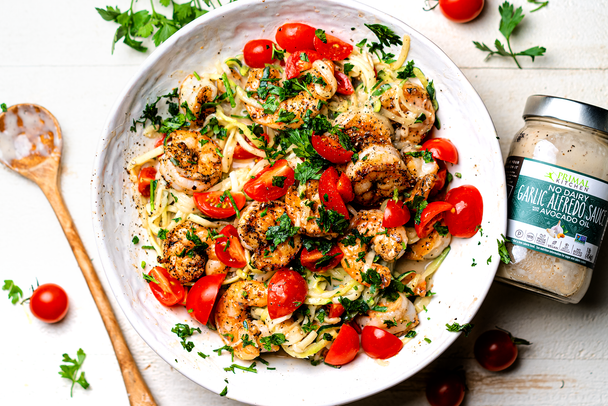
(14, 292)
(71, 371)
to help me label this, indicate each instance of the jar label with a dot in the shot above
(555, 210)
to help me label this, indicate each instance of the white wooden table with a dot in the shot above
(57, 54)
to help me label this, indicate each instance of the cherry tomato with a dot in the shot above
(286, 292)
(146, 175)
(261, 188)
(309, 259)
(495, 350)
(441, 176)
(296, 63)
(461, 11)
(218, 206)
(229, 249)
(160, 141)
(442, 148)
(295, 37)
(168, 290)
(335, 49)
(202, 296)
(378, 343)
(242, 153)
(430, 215)
(446, 390)
(258, 53)
(345, 188)
(335, 310)
(465, 219)
(344, 348)
(328, 192)
(331, 149)
(49, 303)
(395, 214)
(345, 86)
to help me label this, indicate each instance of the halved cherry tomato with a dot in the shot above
(379, 343)
(168, 290)
(295, 37)
(242, 153)
(218, 206)
(286, 292)
(261, 188)
(442, 148)
(465, 219)
(335, 310)
(331, 149)
(296, 63)
(328, 192)
(160, 141)
(345, 86)
(258, 52)
(345, 188)
(441, 176)
(461, 11)
(344, 348)
(309, 259)
(335, 49)
(146, 175)
(229, 249)
(201, 297)
(395, 214)
(49, 303)
(430, 215)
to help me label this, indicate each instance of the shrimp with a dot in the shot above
(428, 247)
(186, 251)
(253, 228)
(400, 316)
(365, 128)
(377, 173)
(414, 103)
(191, 162)
(196, 92)
(304, 103)
(304, 212)
(234, 322)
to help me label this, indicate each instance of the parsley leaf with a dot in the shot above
(3, 107)
(278, 181)
(407, 71)
(331, 221)
(319, 33)
(14, 291)
(71, 371)
(442, 230)
(353, 307)
(183, 331)
(348, 67)
(275, 339)
(308, 170)
(541, 3)
(410, 334)
(149, 278)
(502, 251)
(456, 328)
(281, 233)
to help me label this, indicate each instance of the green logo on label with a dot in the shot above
(550, 176)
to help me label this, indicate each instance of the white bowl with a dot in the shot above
(460, 288)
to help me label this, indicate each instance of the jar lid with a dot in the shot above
(567, 110)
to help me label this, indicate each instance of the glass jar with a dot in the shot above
(557, 189)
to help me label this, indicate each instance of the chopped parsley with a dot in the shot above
(411, 334)
(183, 331)
(456, 328)
(331, 221)
(275, 339)
(319, 33)
(149, 278)
(502, 250)
(135, 239)
(281, 233)
(250, 368)
(278, 181)
(442, 230)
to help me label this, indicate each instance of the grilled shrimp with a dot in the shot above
(186, 250)
(302, 103)
(401, 312)
(389, 243)
(191, 162)
(253, 226)
(195, 93)
(234, 322)
(304, 212)
(365, 128)
(428, 247)
(413, 101)
(377, 173)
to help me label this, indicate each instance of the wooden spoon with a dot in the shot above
(30, 144)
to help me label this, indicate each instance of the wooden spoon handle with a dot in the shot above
(139, 394)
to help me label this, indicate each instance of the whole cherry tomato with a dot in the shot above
(287, 290)
(228, 249)
(331, 149)
(465, 219)
(271, 183)
(328, 192)
(461, 11)
(49, 303)
(202, 296)
(168, 290)
(345, 86)
(258, 52)
(294, 37)
(446, 390)
(334, 49)
(496, 350)
(242, 153)
(430, 215)
(442, 148)
(335, 310)
(300, 61)
(310, 259)
(379, 343)
(217, 205)
(345, 188)
(145, 177)
(344, 348)
(395, 214)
